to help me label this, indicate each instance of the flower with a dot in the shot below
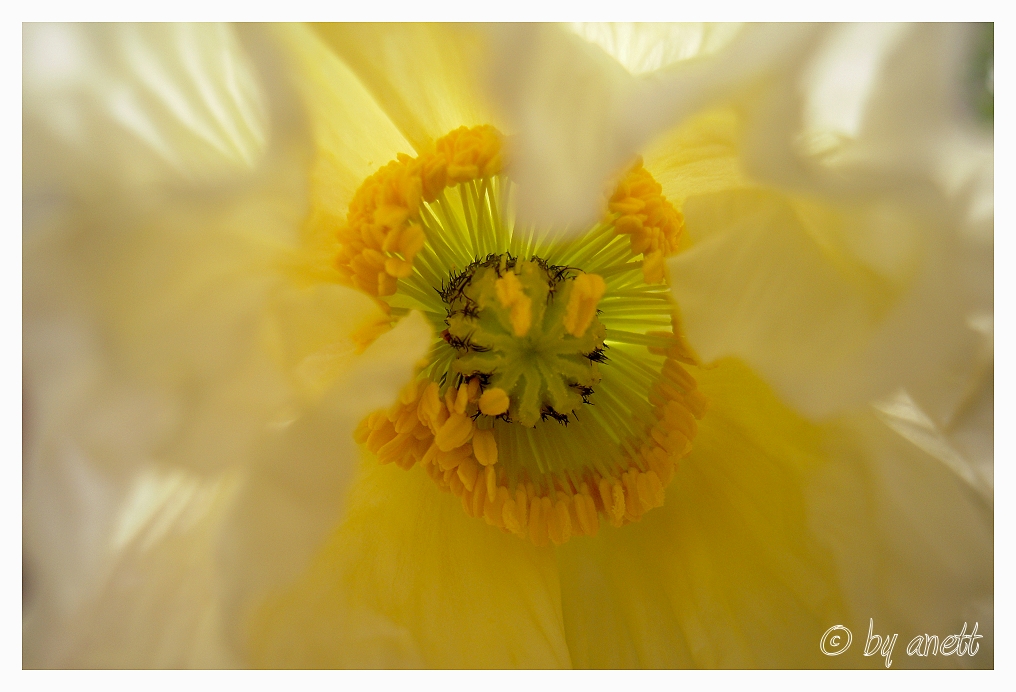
(196, 367)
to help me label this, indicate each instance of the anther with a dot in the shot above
(494, 402)
(484, 447)
(586, 293)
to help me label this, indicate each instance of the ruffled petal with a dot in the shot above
(774, 530)
(163, 289)
(424, 76)
(142, 104)
(726, 573)
(353, 137)
(912, 540)
(160, 560)
(120, 569)
(646, 47)
(834, 305)
(881, 116)
(698, 157)
(168, 325)
(408, 580)
(294, 485)
(579, 116)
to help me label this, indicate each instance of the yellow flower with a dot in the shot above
(242, 250)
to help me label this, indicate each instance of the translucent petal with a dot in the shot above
(158, 559)
(146, 103)
(726, 573)
(353, 135)
(153, 602)
(698, 157)
(296, 482)
(150, 304)
(771, 279)
(774, 530)
(913, 543)
(900, 129)
(561, 96)
(646, 47)
(579, 116)
(903, 415)
(873, 100)
(408, 580)
(424, 76)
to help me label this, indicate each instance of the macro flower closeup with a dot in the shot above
(507, 346)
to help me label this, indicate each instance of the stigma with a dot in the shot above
(528, 329)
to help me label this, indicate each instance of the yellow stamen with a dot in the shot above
(617, 504)
(461, 399)
(491, 479)
(456, 431)
(653, 268)
(494, 402)
(510, 517)
(586, 510)
(641, 212)
(484, 447)
(559, 522)
(467, 472)
(585, 295)
(382, 221)
(510, 295)
(538, 520)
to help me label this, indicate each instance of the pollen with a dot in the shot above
(559, 394)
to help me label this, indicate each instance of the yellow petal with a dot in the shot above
(406, 557)
(353, 136)
(727, 567)
(698, 157)
(312, 331)
(422, 75)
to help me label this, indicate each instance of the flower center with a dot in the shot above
(555, 394)
(528, 331)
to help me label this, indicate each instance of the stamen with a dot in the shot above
(585, 296)
(556, 393)
(494, 401)
(510, 295)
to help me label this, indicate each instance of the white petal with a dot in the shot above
(768, 281)
(146, 281)
(296, 486)
(561, 95)
(579, 116)
(146, 585)
(911, 541)
(644, 48)
(869, 119)
(968, 455)
(145, 103)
